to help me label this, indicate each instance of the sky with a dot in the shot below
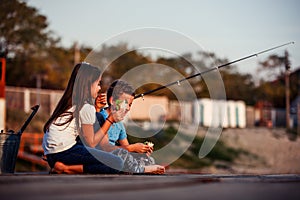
(231, 29)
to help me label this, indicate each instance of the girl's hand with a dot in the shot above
(100, 101)
(117, 116)
(119, 109)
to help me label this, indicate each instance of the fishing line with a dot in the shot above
(209, 70)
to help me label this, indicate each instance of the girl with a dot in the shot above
(74, 116)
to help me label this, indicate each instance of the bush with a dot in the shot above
(16, 118)
(190, 159)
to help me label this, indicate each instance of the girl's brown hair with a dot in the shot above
(77, 92)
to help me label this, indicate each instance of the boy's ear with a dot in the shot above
(111, 100)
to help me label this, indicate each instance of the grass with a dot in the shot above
(190, 160)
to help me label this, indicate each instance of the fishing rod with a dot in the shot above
(209, 70)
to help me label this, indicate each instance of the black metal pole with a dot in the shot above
(287, 89)
(35, 109)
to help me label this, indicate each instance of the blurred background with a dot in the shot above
(40, 41)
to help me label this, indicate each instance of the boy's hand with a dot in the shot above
(142, 148)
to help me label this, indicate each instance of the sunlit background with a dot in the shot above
(41, 40)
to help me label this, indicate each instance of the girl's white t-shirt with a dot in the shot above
(61, 138)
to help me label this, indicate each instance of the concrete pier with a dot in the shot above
(168, 186)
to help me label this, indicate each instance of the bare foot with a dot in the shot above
(60, 168)
(155, 169)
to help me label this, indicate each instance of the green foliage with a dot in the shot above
(239, 87)
(25, 166)
(16, 118)
(274, 66)
(273, 88)
(272, 92)
(33, 51)
(22, 29)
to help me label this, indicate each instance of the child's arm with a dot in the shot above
(91, 138)
(136, 147)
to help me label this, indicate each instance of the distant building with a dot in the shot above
(150, 108)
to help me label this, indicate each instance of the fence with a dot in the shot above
(25, 98)
(31, 150)
(205, 112)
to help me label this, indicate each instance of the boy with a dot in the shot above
(120, 96)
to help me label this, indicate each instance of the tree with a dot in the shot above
(239, 87)
(22, 29)
(273, 66)
(30, 48)
(116, 61)
(25, 43)
(273, 89)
